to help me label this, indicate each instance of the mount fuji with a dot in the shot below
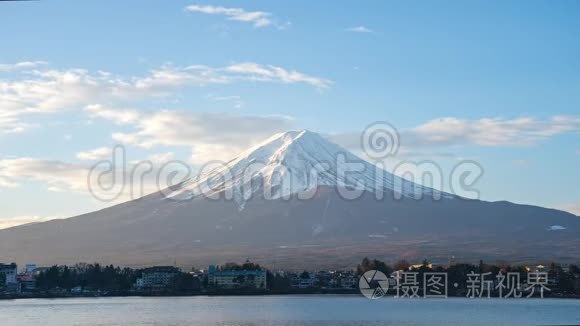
(295, 162)
(282, 203)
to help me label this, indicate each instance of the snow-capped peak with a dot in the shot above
(289, 163)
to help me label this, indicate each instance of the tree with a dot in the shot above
(183, 282)
(364, 266)
(424, 266)
(402, 265)
(277, 282)
(231, 266)
(66, 278)
(458, 274)
(574, 269)
(248, 265)
(367, 265)
(49, 278)
(91, 276)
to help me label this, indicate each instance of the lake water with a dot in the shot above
(288, 310)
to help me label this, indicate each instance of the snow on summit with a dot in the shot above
(293, 162)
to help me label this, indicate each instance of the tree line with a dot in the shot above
(87, 277)
(114, 279)
(563, 281)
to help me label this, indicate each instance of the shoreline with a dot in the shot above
(234, 294)
(223, 293)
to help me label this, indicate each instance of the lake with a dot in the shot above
(287, 310)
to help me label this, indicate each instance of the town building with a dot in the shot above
(27, 278)
(27, 281)
(30, 268)
(419, 266)
(303, 280)
(8, 280)
(576, 283)
(235, 279)
(346, 280)
(155, 278)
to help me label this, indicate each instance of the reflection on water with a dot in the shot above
(287, 310)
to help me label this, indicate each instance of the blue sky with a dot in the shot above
(493, 81)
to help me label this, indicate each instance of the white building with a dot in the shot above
(8, 273)
(348, 281)
(300, 281)
(232, 279)
(156, 277)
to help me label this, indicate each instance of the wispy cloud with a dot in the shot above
(198, 131)
(160, 158)
(119, 116)
(489, 131)
(257, 18)
(95, 154)
(51, 91)
(12, 125)
(437, 137)
(62, 176)
(7, 183)
(56, 174)
(21, 65)
(258, 72)
(571, 208)
(359, 29)
(170, 77)
(7, 222)
(237, 100)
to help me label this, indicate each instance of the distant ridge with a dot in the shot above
(268, 222)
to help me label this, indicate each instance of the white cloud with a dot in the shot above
(258, 18)
(5, 183)
(48, 92)
(126, 138)
(169, 77)
(51, 91)
(435, 138)
(489, 132)
(6, 67)
(258, 72)
(198, 131)
(359, 29)
(571, 208)
(55, 173)
(203, 153)
(7, 222)
(237, 100)
(11, 125)
(161, 158)
(157, 159)
(59, 176)
(119, 116)
(95, 154)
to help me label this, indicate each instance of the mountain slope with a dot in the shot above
(276, 226)
(293, 162)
